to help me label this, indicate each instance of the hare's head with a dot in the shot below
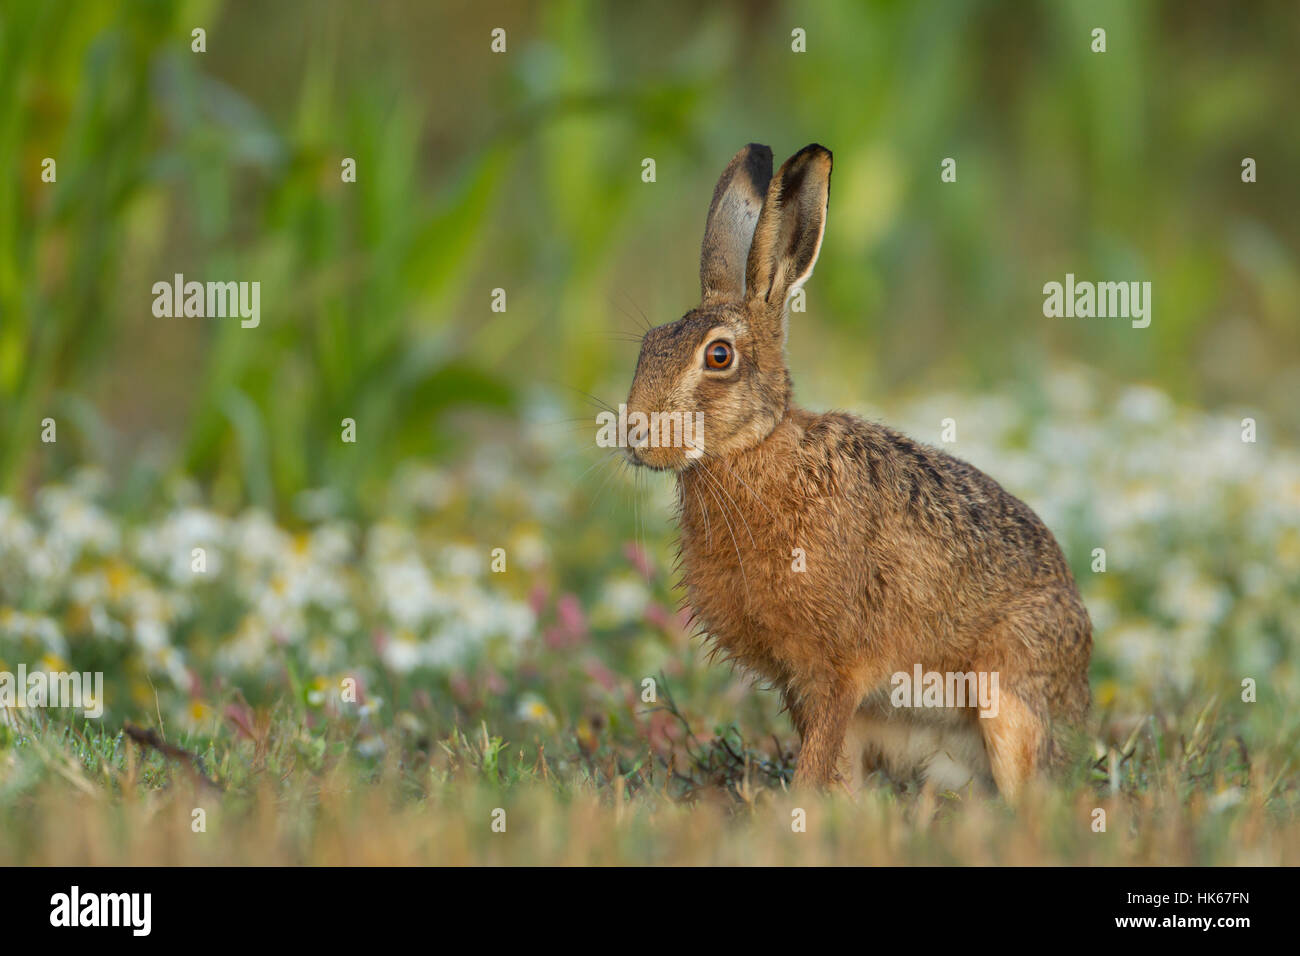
(715, 382)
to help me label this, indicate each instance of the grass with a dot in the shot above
(283, 785)
(522, 690)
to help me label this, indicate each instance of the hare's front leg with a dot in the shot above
(822, 720)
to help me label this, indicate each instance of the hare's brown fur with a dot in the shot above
(825, 554)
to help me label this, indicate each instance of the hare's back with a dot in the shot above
(916, 489)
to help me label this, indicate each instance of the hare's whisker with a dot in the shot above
(608, 475)
(599, 403)
(623, 336)
(600, 462)
(636, 522)
(734, 543)
(570, 424)
(708, 531)
(713, 456)
(644, 321)
(734, 503)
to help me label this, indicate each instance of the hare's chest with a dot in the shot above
(759, 604)
(763, 583)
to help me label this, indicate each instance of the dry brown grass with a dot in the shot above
(274, 809)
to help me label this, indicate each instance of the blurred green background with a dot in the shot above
(522, 171)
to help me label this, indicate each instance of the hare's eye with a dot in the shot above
(719, 354)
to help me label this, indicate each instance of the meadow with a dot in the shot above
(524, 689)
(457, 638)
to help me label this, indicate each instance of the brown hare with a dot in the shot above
(828, 555)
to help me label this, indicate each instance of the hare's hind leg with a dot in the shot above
(1016, 740)
(853, 763)
(1040, 651)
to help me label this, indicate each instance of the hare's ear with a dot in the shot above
(737, 201)
(790, 228)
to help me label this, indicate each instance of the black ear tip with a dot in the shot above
(803, 163)
(816, 149)
(756, 161)
(758, 158)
